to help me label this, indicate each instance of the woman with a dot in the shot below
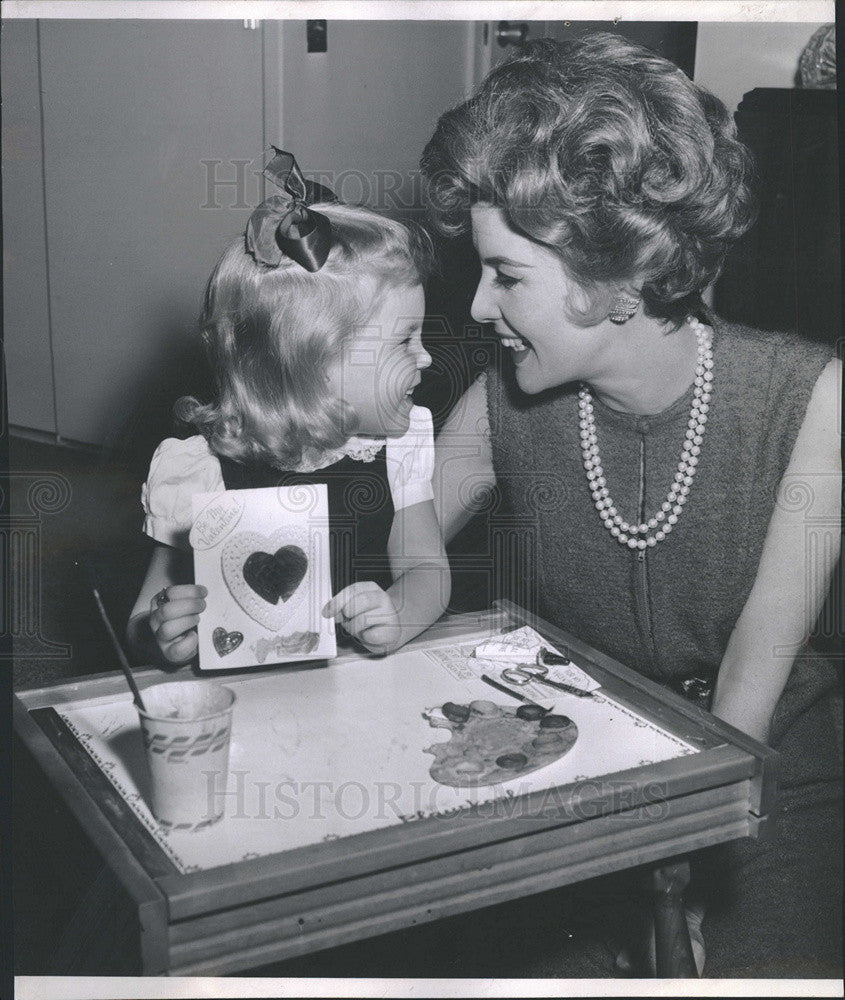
(688, 520)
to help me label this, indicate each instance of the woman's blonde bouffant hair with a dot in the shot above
(607, 154)
(271, 332)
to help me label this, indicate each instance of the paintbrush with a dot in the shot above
(124, 663)
(121, 656)
(560, 686)
(512, 693)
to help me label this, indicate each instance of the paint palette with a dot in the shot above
(492, 743)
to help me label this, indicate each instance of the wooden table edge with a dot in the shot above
(180, 895)
(769, 759)
(311, 866)
(151, 902)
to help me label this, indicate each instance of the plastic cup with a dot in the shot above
(187, 728)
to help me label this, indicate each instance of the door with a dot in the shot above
(142, 121)
(496, 41)
(674, 40)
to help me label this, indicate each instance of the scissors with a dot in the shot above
(527, 672)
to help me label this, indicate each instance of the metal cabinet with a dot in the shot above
(132, 114)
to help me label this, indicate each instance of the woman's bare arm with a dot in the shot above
(799, 556)
(420, 567)
(463, 465)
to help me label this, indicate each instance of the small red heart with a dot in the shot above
(225, 642)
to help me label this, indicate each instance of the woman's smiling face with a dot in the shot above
(526, 294)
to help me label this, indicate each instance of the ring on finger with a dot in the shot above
(161, 598)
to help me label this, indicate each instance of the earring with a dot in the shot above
(623, 308)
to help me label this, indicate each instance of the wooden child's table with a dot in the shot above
(335, 831)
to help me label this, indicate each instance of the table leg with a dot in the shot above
(672, 941)
(101, 937)
(78, 918)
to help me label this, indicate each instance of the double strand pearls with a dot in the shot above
(655, 529)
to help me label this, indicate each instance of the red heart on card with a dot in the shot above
(273, 578)
(277, 575)
(226, 642)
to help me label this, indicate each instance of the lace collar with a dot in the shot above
(360, 448)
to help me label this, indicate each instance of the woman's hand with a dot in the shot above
(368, 613)
(174, 616)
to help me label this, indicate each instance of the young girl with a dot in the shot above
(312, 325)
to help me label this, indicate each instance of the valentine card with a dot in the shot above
(263, 555)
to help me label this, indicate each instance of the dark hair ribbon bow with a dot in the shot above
(283, 225)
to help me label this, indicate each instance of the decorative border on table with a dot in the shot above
(641, 723)
(138, 833)
(133, 799)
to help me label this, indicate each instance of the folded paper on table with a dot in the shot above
(263, 556)
(509, 649)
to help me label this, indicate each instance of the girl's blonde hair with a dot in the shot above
(271, 332)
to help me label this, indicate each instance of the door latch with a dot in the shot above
(511, 33)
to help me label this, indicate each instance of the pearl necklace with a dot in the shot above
(638, 536)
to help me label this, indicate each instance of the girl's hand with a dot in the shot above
(173, 621)
(367, 612)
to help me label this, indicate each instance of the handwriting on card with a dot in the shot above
(216, 520)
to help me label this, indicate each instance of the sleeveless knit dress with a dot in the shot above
(772, 909)
(668, 612)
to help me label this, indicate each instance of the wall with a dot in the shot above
(122, 155)
(361, 113)
(732, 58)
(673, 40)
(26, 316)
